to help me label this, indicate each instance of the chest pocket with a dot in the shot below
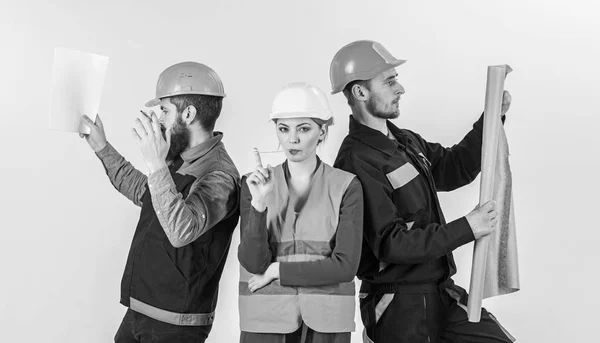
(409, 191)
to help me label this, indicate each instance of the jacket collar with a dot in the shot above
(194, 153)
(376, 139)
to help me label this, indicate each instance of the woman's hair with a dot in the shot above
(322, 122)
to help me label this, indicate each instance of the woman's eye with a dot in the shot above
(283, 129)
(304, 129)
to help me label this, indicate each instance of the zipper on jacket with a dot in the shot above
(294, 231)
(425, 311)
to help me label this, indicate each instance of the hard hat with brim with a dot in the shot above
(187, 78)
(300, 100)
(360, 60)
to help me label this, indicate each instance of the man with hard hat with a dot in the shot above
(189, 208)
(407, 294)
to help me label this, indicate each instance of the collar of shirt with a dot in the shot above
(376, 139)
(194, 153)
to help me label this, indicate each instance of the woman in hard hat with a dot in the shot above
(301, 233)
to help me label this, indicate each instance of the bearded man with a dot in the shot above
(189, 208)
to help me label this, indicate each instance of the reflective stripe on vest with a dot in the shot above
(298, 238)
(182, 319)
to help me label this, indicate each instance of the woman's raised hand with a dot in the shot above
(260, 183)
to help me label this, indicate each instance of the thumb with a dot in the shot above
(88, 122)
(99, 122)
(271, 170)
(168, 138)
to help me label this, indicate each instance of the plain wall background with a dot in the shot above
(66, 231)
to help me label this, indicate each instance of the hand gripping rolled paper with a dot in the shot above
(491, 130)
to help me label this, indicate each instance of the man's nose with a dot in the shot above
(400, 90)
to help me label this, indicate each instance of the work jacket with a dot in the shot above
(407, 239)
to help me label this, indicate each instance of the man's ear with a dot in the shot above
(189, 114)
(359, 92)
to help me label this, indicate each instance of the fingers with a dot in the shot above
(261, 174)
(254, 179)
(88, 122)
(257, 160)
(145, 114)
(257, 282)
(506, 98)
(494, 223)
(140, 128)
(136, 136)
(259, 177)
(263, 171)
(252, 284)
(155, 124)
(489, 206)
(147, 123)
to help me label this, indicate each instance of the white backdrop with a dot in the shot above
(66, 231)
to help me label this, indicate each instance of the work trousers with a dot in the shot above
(138, 328)
(439, 316)
(304, 334)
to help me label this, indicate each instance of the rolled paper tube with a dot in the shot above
(491, 125)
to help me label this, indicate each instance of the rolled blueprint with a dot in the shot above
(494, 270)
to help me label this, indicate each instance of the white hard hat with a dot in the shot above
(300, 100)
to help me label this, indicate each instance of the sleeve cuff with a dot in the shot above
(286, 274)
(106, 151)
(461, 230)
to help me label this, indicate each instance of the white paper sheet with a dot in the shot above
(77, 81)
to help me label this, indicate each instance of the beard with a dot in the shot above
(180, 139)
(376, 112)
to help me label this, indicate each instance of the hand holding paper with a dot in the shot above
(96, 137)
(483, 219)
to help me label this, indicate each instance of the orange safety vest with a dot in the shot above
(299, 237)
